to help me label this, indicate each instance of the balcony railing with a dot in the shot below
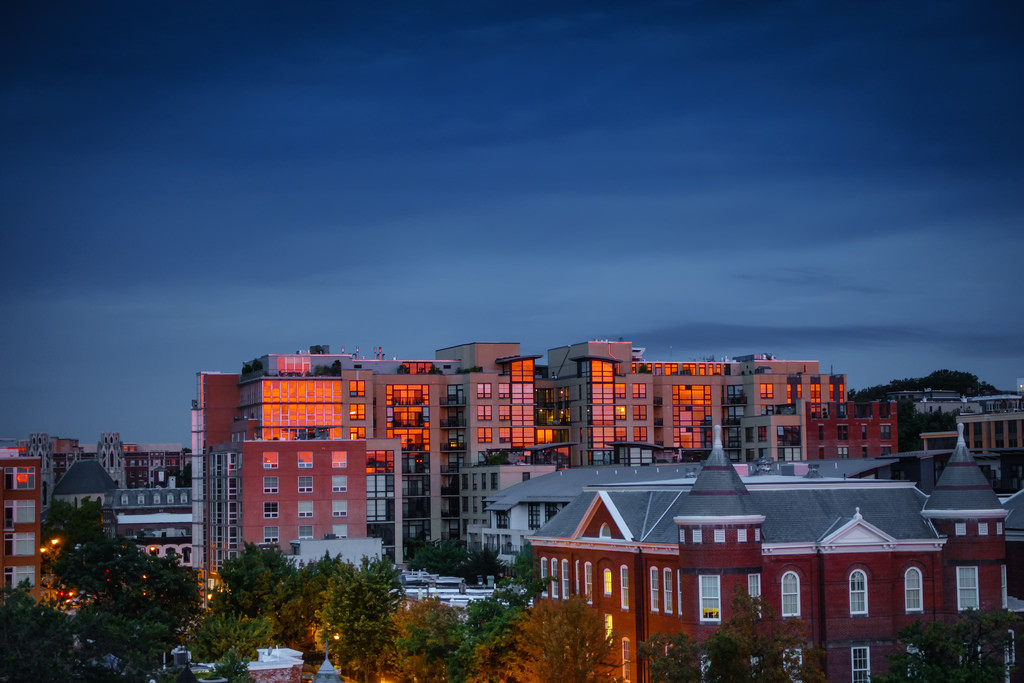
(453, 423)
(453, 400)
(448, 446)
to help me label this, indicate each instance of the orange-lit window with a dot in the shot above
(504, 413)
(356, 387)
(639, 391)
(620, 391)
(762, 433)
(379, 462)
(483, 435)
(356, 433)
(339, 459)
(357, 411)
(546, 436)
(639, 433)
(767, 390)
(270, 461)
(620, 433)
(503, 390)
(505, 435)
(620, 412)
(483, 413)
(815, 393)
(483, 390)
(671, 368)
(639, 412)
(305, 460)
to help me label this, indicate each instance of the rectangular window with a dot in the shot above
(305, 508)
(843, 432)
(767, 390)
(1002, 584)
(339, 508)
(710, 598)
(639, 391)
(697, 536)
(270, 461)
(356, 387)
(305, 531)
(357, 411)
(14, 576)
(305, 484)
(483, 435)
(270, 534)
(860, 658)
(719, 535)
(966, 588)
(483, 413)
(640, 434)
(554, 579)
(588, 582)
(20, 478)
(339, 483)
(607, 581)
(19, 545)
(624, 587)
(565, 579)
(655, 589)
(270, 484)
(340, 530)
(19, 512)
(639, 413)
(886, 432)
(754, 585)
(983, 528)
(741, 535)
(960, 528)
(620, 390)
(483, 390)
(339, 459)
(305, 460)
(666, 587)
(762, 433)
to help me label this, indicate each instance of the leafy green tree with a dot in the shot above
(964, 383)
(427, 634)
(970, 650)
(219, 633)
(447, 558)
(672, 658)
(296, 623)
(359, 606)
(483, 563)
(489, 649)
(69, 526)
(36, 640)
(755, 645)
(566, 642)
(913, 423)
(252, 583)
(233, 667)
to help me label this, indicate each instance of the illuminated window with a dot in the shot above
(620, 391)
(305, 460)
(626, 662)
(339, 483)
(639, 391)
(356, 433)
(483, 435)
(762, 433)
(483, 413)
(767, 390)
(305, 508)
(357, 411)
(966, 588)
(505, 434)
(710, 598)
(270, 461)
(790, 595)
(655, 590)
(620, 412)
(270, 484)
(858, 592)
(639, 433)
(608, 625)
(624, 587)
(270, 510)
(483, 390)
(607, 581)
(339, 508)
(305, 484)
(356, 387)
(588, 582)
(339, 459)
(912, 590)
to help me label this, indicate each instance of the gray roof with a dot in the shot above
(85, 476)
(718, 490)
(962, 485)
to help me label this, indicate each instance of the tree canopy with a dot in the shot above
(964, 383)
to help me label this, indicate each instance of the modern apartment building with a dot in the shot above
(592, 403)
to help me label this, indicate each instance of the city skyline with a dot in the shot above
(187, 188)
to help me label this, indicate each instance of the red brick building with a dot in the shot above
(856, 560)
(851, 430)
(19, 493)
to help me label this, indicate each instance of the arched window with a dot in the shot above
(912, 590)
(124, 499)
(607, 581)
(156, 498)
(606, 531)
(858, 592)
(790, 595)
(655, 590)
(543, 568)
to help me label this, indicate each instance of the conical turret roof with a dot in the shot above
(718, 490)
(963, 485)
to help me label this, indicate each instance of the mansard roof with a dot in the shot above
(962, 485)
(718, 490)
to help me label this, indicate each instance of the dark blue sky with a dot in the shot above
(188, 185)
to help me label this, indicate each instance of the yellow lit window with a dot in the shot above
(356, 433)
(620, 412)
(607, 581)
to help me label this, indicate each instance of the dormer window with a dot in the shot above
(605, 532)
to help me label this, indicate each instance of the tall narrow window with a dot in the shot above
(626, 672)
(860, 658)
(624, 587)
(966, 588)
(565, 579)
(666, 587)
(588, 582)
(655, 590)
(912, 590)
(790, 595)
(554, 578)
(858, 592)
(710, 598)
(607, 581)
(754, 585)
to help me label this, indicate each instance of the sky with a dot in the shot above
(185, 186)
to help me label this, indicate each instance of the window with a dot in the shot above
(843, 432)
(588, 582)
(340, 530)
(639, 413)
(305, 460)
(20, 478)
(483, 413)
(767, 390)
(912, 590)
(625, 661)
(543, 568)
(156, 498)
(339, 483)
(504, 413)
(269, 484)
(565, 579)
(741, 535)
(960, 529)
(790, 595)
(620, 390)
(607, 581)
(966, 588)
(762, 433)
(305, 508)
(655, 590)
(356, 387)
(356, 433)
(339, 459)
(710, 598)
(698, 537)
(19, 544)
(554, 579)
(503, 390)
(719, 535)
(608, 625)
(339, 508)
(19, 512)
(533, 515)
(639, 391)
(666, 587)
(624, 587)
(483, 435)
(305, 531)
(858, 592)
(270, 510)
(357, 411)
(640, 434)
(270, 461)
(860, 658)
(483, 390)
(886, 432)
(14, 576)
(270, 534)
(983, 528)
(1002, 584)
(754, 585)
(305, 484)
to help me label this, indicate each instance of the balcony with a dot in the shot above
(459, 400)
(659, 422)
(737, 400)
(658, 401)
(448, 446)
(454, 423)
(731, 421)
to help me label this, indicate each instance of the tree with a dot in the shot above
(913, 423)
(490, 646)
(67, 526)
(219, 633)
(482, 562)
(567, 642)
(964, 383)
(252, 582)
(296, 623)
(427, 633)
(755, 645)
(446, 558)
(672, 658)
(359, 606)
(971, 650)
(36, 640)
(233, 667)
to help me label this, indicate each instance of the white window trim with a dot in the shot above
(565, 579)
(960, 588)
(624, 587)
(853, 661)
(717, 597)
(782, 585)
(666, 588)
(853, 592)
(919, 591)
(654, 589)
